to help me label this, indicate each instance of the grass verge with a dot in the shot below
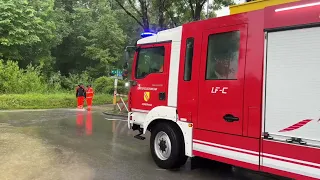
(46, 101)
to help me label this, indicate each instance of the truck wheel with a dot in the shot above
(167, 146)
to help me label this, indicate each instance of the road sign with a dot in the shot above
(116, 72)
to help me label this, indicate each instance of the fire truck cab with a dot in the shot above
(242, 89)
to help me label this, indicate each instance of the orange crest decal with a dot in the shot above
(146, 96)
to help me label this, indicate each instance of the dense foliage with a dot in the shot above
(52, 45)
(46, 101)
(14, 80)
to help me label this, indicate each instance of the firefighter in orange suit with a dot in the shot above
(81, 95)
(89, 94)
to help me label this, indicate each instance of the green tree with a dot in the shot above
(29, 30)
(55, 28)
(162, 14)
(19, 26)
(193, 10)
(106, 41)
(70, 53)
(96, 41)
(149, 15)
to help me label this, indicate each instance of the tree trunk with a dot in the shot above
(197, 12)
(161, 9)
(130, 14)
(144, 12)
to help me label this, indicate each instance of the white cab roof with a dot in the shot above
(173, 34)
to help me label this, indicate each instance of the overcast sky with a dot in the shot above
(225, 11)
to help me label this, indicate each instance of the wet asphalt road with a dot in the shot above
(68, 144)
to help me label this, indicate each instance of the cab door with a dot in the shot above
(150, 76)
(221, 82)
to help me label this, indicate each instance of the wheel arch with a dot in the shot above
(158, 121)
(165, 114)
(160, 113)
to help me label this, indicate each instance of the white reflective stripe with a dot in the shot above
(291, 167)
(290, 159)
(229, 147)
(281, 163)
(248, 158)
(139, 110)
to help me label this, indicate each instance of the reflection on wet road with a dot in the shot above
(76, 145)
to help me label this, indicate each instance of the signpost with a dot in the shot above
(115, 93)
(115, 74)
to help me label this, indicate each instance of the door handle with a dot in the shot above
(230, 118)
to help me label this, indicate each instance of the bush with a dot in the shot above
(46, 101)
(31, 80)
(105, 85)
(73, 80)
(55, 81)
(16, 80)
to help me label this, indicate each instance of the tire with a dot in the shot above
(171, 140)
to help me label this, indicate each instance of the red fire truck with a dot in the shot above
(241, 89)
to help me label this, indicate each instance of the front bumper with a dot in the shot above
(129, 120)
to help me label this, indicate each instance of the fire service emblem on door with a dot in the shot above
(146, 96)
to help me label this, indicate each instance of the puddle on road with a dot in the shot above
(24, 157)
(4, 125)
(76, 145)
(54, 144)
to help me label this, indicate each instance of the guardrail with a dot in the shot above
(121, 103)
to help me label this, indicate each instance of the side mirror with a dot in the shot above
(127, 56)
(125, 65)
(126, 60)
(133, 83)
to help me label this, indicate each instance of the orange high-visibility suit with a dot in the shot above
(89, 97)
(81, 95)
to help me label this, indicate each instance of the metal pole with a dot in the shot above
(115, 93)
(207, 9)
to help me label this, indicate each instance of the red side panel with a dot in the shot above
(233, 149)
(188, 96)
(295, 161)
(253, 83)
(187, 103)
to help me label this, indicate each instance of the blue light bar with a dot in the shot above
(147, 34)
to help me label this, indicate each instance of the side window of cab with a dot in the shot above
(150, 60)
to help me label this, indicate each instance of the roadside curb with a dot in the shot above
(112, 114)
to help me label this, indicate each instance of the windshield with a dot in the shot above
(150, 60)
